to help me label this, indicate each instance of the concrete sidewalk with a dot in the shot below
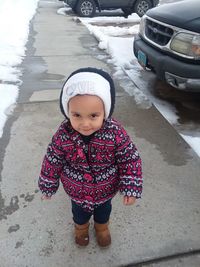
(165, 222)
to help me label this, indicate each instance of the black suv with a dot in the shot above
(169, 43)
(87, 8)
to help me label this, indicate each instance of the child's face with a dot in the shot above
(86, 113)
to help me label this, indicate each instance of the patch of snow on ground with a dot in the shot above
(14, 29)
(194, 142)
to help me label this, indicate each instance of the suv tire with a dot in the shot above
(141, 7)
(86, 8)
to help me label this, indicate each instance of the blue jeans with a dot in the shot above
(101, 214)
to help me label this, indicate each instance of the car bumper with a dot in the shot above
(179, 74)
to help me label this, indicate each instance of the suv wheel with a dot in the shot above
(141, 6)
(86, 8)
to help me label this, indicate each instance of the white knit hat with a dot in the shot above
(89, 83)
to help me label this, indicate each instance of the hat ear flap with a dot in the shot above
(61, 105)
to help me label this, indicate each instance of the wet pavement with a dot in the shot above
(162, 228)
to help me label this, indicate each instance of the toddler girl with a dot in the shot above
(91, 154)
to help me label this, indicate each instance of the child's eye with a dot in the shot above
(94, 115)
(76, 115)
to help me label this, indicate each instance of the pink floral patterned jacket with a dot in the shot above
(92, 173)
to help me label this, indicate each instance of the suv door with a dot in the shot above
(114, 3)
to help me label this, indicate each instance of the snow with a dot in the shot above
(115, 36)
(194, 142)
(15, 16)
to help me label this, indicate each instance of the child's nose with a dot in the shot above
(85, 123)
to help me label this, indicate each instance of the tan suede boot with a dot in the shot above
(81, 234)
(102, 234)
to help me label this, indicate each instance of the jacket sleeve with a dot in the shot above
(129, 165)
(52, 166)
